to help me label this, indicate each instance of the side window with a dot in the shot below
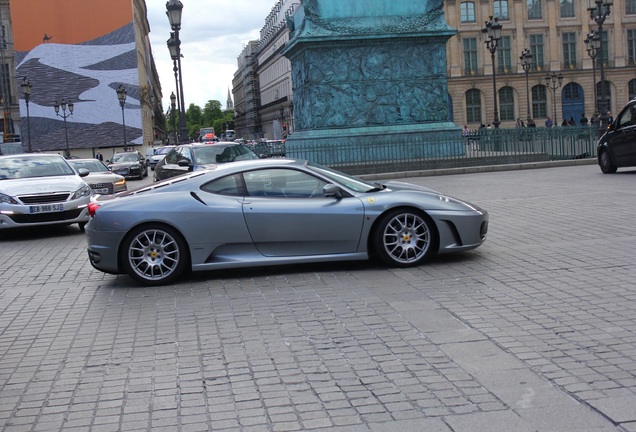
(283, 183)
(184, 154)
(230, 185)
(173, 156)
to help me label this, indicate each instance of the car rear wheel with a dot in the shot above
(404, 238)
(154, 254)
(605, 162)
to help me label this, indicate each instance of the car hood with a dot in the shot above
(41, 185)
(103, 177)
(401, 186)
(121, 165)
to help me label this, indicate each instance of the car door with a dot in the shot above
(170, 166)
(287, 215)
(623, 141)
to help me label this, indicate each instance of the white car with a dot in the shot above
(100, 178)
(160, 153)
(42, 189)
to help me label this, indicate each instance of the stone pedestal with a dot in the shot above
(370, 73)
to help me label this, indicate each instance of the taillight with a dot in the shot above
(92, 208)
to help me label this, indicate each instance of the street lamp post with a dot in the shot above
(593, 46)
(173, 106)
(599, 10)
(526, 64)
(26, 89)
(121, 95)
(493, 29)
(554, 81)
(174, 9)
(64, 104)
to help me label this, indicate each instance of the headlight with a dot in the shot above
(120, 182)
(6, 199)
(83, 192)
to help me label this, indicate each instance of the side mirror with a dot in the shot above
(83, 172)
(184, 163)
(332, 191)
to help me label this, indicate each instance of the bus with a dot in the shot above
(230, 135)
(206, 134)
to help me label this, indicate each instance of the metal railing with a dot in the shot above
(483, 148)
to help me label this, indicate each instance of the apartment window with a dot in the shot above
(506, 103)
(631, 47)
(569, 50)
(539, 102)
(501, 9)
(467, 12)
(504, 62)
(567, 9)
(630, 7)
(534, 9)
(631, 87)
(536, 49)
(470, 56)
(473, 106)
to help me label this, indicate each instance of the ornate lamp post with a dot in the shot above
(554, 81)
(64, 105)
(599, 10)
(26, 89)
(593, 46)
(174, 9)
(526, 64)
(121, 95)
(493, 29)
(173, 106)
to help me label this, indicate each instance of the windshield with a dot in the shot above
(163, 150)
(91, 165)
(33, 166)
(124, 157)
(352, 183)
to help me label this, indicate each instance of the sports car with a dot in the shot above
(273, 211)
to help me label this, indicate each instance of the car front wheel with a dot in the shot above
(605, 162)
(154, 254)
(404, 238)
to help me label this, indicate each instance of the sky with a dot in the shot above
(213, 34)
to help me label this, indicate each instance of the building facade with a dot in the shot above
(554, 32)
(11, 130)
(262, 85)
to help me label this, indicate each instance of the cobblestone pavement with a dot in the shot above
(534, 331)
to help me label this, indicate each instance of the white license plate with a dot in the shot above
(46, 208)
(102, 191)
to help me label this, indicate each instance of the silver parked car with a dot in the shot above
(100, 178)
(41, 189)
(273, 211)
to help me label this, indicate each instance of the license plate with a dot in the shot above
(46, 208)
(102, 191)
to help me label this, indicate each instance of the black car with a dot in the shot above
(131, 165)
(617, 147)
(197, 156)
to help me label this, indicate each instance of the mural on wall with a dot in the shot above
(63, 66)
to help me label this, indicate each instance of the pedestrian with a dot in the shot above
(99, 157)
(571, 122)
(531, 123)
(610, 119)
(549, 122)
(583, 121)
(564, 123)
